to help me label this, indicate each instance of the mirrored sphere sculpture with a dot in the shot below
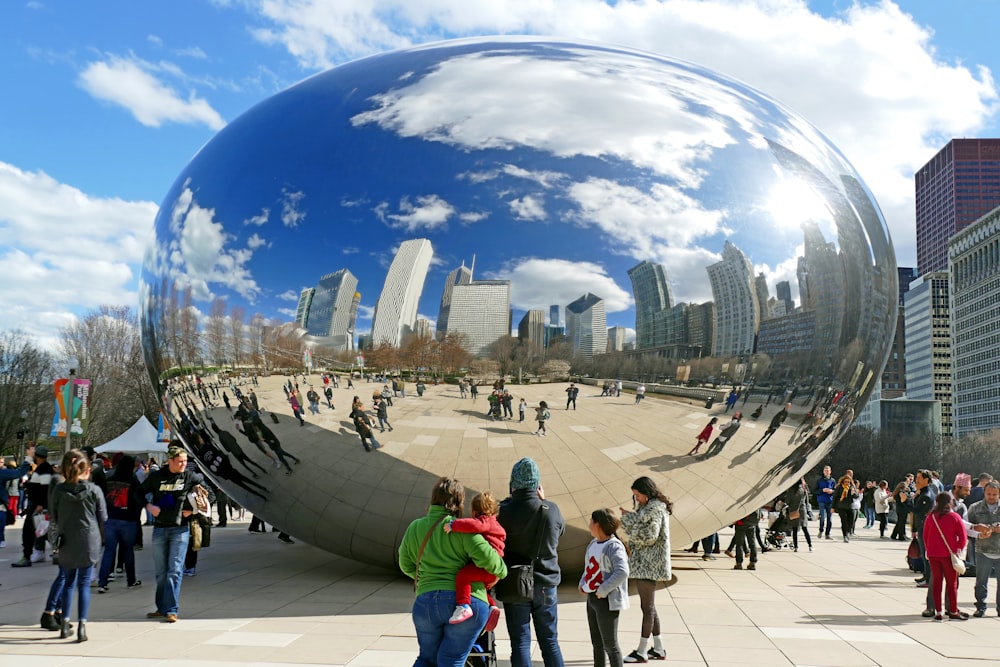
(627, 217)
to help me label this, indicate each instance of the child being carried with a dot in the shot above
(485, 508)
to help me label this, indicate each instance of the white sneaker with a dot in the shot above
(2, 544)
(460, 614)
(37, 556)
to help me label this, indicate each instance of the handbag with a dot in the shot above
(519, 584)
(957, 562)
(794, 515)
(892, 516)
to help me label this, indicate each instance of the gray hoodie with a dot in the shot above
(79, 512)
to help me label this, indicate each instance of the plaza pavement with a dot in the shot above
(261, 603)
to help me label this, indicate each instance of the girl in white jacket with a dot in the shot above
(605, 583)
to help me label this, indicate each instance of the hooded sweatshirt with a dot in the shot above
(79, 511)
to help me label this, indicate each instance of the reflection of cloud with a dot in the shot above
(580, 105)
(473, 216)
(290, 313)
(429, 212)
(260, 219)
(539, 283)
(289, 295)
(528, 207)
(197, 255)
(130, 83)
(365, 312)
(643, 222)
(255, 242)
(350, 250)
(291, 215)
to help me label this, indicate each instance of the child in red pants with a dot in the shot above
(485, 508)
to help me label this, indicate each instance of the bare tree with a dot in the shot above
(237, 332)
(108, 351)
(452, 352)
(26, 374)
(255, 340)
(504, 352)
(215, 332)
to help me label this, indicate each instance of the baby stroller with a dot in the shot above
(484, 651)
(778, 531)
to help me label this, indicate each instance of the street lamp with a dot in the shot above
(68, 389)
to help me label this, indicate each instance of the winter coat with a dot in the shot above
(79, 512)
(953, 530)
(797, 498)
(648, 530)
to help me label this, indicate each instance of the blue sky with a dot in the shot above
(102, 110)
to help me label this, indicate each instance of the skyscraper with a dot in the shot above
(586, 326)
(460, 276)
(330, 312)
(954, 189)
(737, 313)
(616, 339)
(481, 312)
(396, 309)
(652, 295)
(784, 291)
(531, 328)
(928, 344)
(302, 309)
(975, 284)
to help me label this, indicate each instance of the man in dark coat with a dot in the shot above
(776, 421)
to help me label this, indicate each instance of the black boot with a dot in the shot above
(65, 632)
(49, 622)
(81, 632)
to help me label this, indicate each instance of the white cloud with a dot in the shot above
(291, 213)
(198, 252)
(260, 219)
(131, 84)
(289, 295)
(528, 207)
(537, 283)
(869, 78)
(429, 212)
(256, 241)
(634, 220)
(63, 251)
(195, 52)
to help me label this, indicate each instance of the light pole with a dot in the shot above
(69, 393)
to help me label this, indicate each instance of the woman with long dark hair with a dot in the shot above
(648, 529)
(78, 509)
(944, 534)
(843, 500)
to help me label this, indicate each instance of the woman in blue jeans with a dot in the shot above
(432, 558)
(125, 503)
(78, 510)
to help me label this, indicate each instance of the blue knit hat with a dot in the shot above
(525, 475)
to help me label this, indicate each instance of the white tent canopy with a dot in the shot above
(140, 438)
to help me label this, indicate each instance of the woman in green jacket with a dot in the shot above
(432, 557)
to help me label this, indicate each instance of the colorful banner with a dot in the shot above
(78, 398)
(163, 433)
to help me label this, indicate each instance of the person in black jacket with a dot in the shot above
(170, 486)
(37, 492)
(776, 421)
(534, 526)
(124, 502)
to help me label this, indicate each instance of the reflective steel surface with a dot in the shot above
(721, 230)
